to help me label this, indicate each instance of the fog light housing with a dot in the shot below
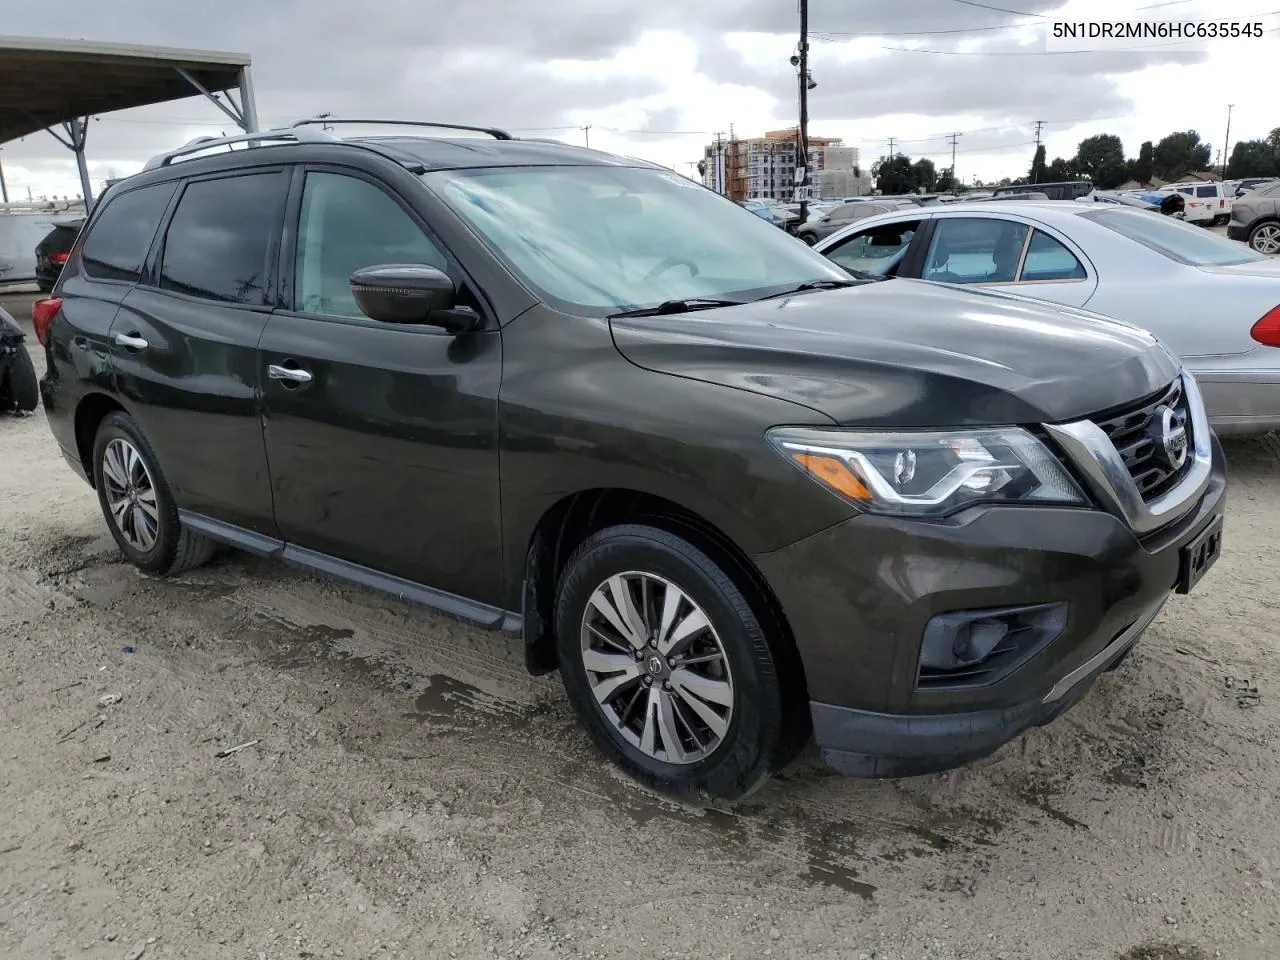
(981, 647)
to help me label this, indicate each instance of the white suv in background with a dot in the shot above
(1208, 204)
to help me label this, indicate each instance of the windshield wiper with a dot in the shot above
(687, 305)
(821, 285)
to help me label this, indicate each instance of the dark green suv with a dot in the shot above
(734, 495)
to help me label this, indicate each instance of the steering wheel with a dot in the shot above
(670, 262)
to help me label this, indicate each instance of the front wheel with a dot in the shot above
(137, 504)
(670, 670)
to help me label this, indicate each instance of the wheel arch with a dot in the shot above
(90, 412)
(573, 518)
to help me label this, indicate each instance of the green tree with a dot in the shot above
(1101, 159)
(1141, 169)
(1179, 154)
(1061, 170)
(893, 175)
(924, 176)
(946, 181)
(1254, 158)
(1038, 165)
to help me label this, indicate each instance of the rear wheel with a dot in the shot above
(1265, 238)
(136, 502)
(809, 238)
(668, 667)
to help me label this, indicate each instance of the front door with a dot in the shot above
(381, 438)
(184, 344)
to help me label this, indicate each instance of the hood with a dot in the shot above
(908, 353)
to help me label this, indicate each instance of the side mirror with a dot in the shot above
(411, 293)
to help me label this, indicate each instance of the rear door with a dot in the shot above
(382, 438)
(185, 344)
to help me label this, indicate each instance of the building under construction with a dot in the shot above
(765, 167)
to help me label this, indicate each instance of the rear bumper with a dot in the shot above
(1237, 231)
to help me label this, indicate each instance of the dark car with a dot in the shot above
(732, 494)
(53, 250)
(1255, 219)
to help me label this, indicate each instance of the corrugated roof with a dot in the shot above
(45, 82)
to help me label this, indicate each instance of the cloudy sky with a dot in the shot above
(658, 78)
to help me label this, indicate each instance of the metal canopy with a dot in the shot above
(47, 84)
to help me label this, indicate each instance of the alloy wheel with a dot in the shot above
(130, 494)
(657, 668)
(1266, 239)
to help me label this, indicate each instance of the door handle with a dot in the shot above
(130, 341)
(289, 374)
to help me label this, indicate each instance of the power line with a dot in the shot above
(987, 6)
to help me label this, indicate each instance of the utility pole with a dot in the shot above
(719, 178)
(802, 160)
(892, 141)
(1226, 143)
(1035, 174)
(586, 132)
(953, 138)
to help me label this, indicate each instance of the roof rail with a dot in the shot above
(491, 131)
(262, 136)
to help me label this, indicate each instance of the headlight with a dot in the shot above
(929, 473)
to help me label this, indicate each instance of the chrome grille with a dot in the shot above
(1137, 433)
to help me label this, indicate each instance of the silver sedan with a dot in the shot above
(1213, 302)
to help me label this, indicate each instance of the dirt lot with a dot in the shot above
(412, 793)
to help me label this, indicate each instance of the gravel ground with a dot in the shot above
(410, 792)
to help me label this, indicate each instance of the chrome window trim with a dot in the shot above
(1092, 452)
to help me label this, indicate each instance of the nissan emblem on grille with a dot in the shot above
(1173, 437)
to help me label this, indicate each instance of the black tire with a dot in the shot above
(808, 238)
(1257, 231)
(175, 549)
(1222, 219)
(765, 730)
(21, 392)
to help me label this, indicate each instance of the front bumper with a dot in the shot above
(858, 597)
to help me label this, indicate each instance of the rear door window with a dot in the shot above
(119, 239)
(218, 239)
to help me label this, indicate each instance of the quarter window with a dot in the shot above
(217, 242)
(347, 223)
(117, 244)
(1047, 259)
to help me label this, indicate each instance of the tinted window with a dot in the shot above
(877, 251)
(216, 245)
(844, 213)
(1206, 191)
(118, 243)
(973, 250)
(347, 223)
(1047, 259)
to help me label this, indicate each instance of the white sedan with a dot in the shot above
(1213, 302)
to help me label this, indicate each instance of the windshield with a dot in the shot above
(598, 240)
(1174, 239)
